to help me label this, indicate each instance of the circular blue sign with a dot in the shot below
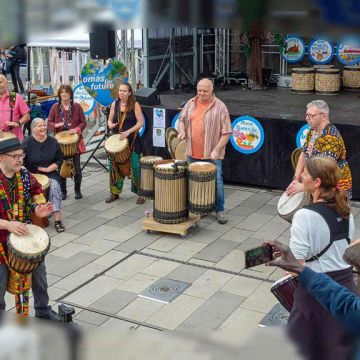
(83, 98)
(320, 51)
(294, 49)
(175, 121)
(248, 135)
(348, 51)
(301, 135)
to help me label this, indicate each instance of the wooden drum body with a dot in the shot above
(44, 181)
(288, 205)
(327, 81)
(170, 204)
(284, 290)
(351, 78)
(202, 187)
(25, 253)
(68, 143)
(303, 80)
(147, 176)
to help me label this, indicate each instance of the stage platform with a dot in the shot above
(276, 103)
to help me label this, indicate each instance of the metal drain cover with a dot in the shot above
(164, 290)
(277, 316)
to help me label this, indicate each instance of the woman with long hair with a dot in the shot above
(320, 233)
(126, 119)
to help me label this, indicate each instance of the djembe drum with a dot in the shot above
(25, 253)
(284, 290)
(202, 187)
(147, 176)
(44, 181)
(69, 144)
(119, 152)
(170, 204)
(288, 205)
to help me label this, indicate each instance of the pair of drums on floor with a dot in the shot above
(177, 188)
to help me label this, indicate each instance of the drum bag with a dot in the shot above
(67, 169)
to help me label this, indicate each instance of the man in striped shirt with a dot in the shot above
(205, 125)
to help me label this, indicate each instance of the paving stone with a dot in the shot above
(111, 233)
(166, 243)
(201, 262)
(272, 229)
(275, 199)
(76, 207)
(115, 211)
(241, 210)
(241, 285)
(62, 239)
(93, 291)
(51, 260)
(250, 243)
(69, 250)
(141, 309)
(84, 214)
(161, 268)
(208, 284)
(138, 242)
(241, 195)
(232, 221)
(216, 250)
(113, 301)
(172, 315)
(188, 248)
(231, 203)
(267, 209)
(52, 279)
(206, 236)
(92, 317)
(122, 220)
(138, 283)
(139, 210)
(101, 247)
(98, 196)
(110, 258)
(55, 293)
(254, 222)
(71, 264)
(87, 225)
(242, 321)
(117, 325)
(213, 312)
(186, 273)
(258, 200)
(234, 261)
(237, 235)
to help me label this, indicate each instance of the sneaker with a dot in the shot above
(111, 198)
(51, 315)
(220, 217)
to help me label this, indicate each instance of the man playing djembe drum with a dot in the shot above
(19, 191)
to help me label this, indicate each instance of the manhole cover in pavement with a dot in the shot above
(164, 290)
(277, 316)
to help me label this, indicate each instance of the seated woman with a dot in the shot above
(44, 156)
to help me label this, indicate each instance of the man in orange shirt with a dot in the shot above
(205, 125)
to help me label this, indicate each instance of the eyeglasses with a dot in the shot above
(17, 157)
(311, 116)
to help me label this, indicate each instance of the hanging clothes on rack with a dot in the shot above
(40, 66)
(32, 68)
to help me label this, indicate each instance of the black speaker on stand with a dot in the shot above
(147, 96)
(102, 40)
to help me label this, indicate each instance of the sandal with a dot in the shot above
(59, 227)
(140, 200)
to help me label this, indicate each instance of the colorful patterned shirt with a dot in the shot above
(330, 143)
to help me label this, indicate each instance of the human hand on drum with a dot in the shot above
(181, 135)
(124, 135)
(284, 258)
(112, 125)
(294, 188)
(17, 228)
(44, 210)
(214, 155)
(72, 131)
(59, 124)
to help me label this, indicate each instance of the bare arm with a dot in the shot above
(111, 125)
(299, 167)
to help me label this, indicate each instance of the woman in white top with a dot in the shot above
(320, 233)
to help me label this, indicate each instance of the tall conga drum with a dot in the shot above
(119, 152)
(170, 204)
(327, 81)
(69, 145)
(147, 176)
(44, 181)
(351, 78)
(303, 80)
(202, 187)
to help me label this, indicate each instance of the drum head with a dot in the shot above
(6, 135)
(63, 137)
(114, 145)
(288, 205)
(180, 151)
(150, 159)
(171, 137)
(43, 180)
(202, 166)
(33, 244)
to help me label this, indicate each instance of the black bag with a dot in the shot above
(21, 55)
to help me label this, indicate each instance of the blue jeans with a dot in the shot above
(220, 196)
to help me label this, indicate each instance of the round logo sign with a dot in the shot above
(86, 101)
(301, 135)
(348, 51)
(247, 136)
(294, 49)
(175, 122)
(321, 51)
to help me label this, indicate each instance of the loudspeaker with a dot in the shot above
(147, 96)
(102, 44)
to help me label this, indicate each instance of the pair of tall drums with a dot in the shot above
(177, 188)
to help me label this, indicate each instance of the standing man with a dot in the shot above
(17, 56)
(205, 125)
(19, 191)
(14, 112)
(323, 139)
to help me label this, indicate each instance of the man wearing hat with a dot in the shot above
(19, 194)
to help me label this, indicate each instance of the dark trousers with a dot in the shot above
(77, 177)
(15, 77)
(39, 288)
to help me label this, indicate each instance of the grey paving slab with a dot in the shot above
(250, 243)
(216, 250)
(232, 220)
(274, 201)
(254, 222)
(272, 229)
(205, 235)
(114, 301)
(237, 235)
(91, 317)
(138, 242)
(98, 196)
(122, 220)
(51, 260)
(267, 209)
(62, 239)
(71, 264)
(84, 214)
(241, 210)
(240, 195)
(87, 225)
(52, 279)
(75, 207)
(186, 273)
(258, 200)
(139, 211)
(213, 312)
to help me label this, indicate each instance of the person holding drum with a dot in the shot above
(323, 139)
(68, 115)
(205, 125)
(44, 156)
(19, 192)
(126, 119)
(320, 234)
